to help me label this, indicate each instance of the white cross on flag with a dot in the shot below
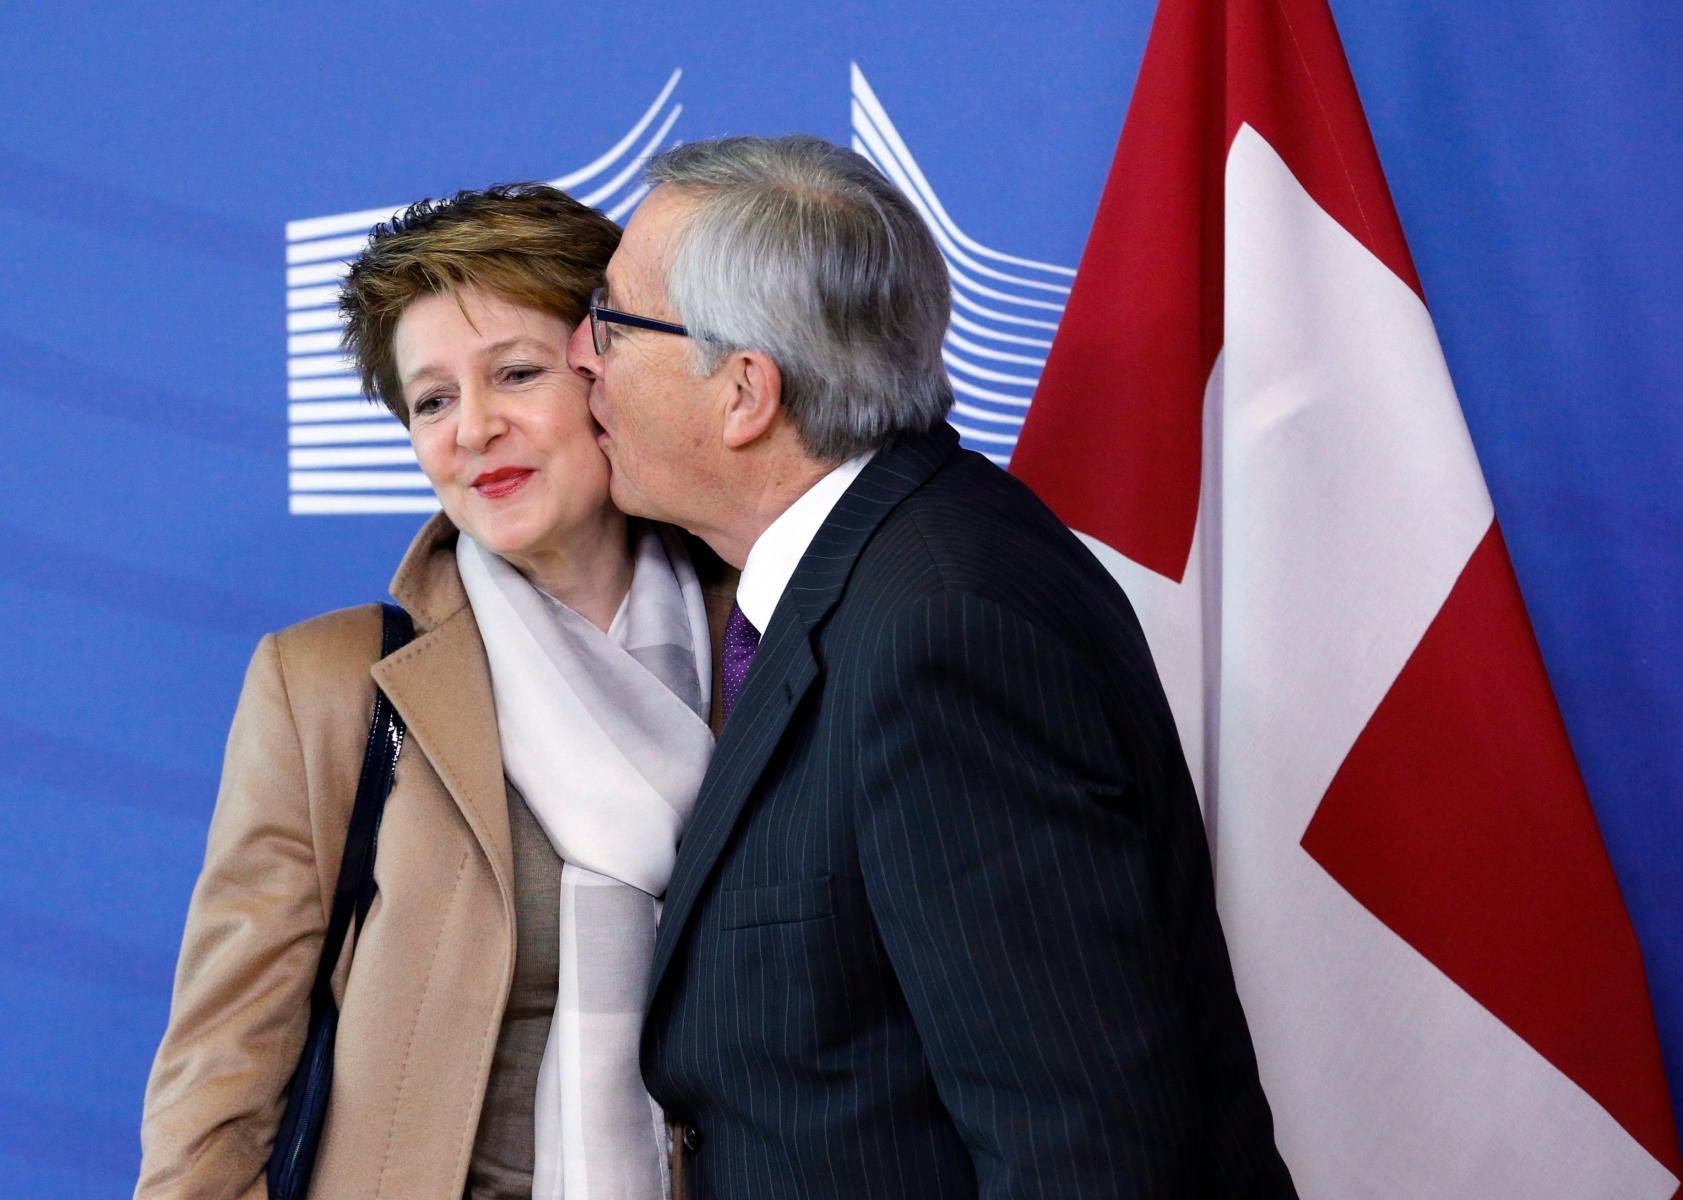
(1247, 416)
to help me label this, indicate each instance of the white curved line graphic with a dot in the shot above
(587, 173)
(992, 314)
(969, 326)
(636, 164)
(970, 347)
(980, 393)
(959, 364)
(969, 284)
(883, 159)
(978, 414)
(896, 169)
(879, 117)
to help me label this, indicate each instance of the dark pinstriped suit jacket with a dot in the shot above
(943, 924)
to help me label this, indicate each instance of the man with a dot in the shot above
(942, 924)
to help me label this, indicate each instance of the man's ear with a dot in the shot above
(755, 397)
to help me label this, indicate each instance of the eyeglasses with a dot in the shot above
(601, 318)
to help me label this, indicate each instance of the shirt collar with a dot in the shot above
(778, 551)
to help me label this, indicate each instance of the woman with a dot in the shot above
(557, 701)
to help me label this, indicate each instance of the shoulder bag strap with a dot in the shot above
(355, 888)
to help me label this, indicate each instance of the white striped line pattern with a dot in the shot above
(345, 455)
(1005, 308)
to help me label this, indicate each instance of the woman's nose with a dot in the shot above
(480, 421)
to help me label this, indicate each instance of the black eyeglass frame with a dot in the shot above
(601, 317)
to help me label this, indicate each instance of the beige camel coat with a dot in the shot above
(421, 1012)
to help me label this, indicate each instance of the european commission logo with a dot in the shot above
(346, 456)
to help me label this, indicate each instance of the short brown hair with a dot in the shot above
(527, 242)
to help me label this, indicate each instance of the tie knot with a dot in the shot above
(737, 655)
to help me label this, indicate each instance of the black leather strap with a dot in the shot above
(292, 1159)
(379, 764)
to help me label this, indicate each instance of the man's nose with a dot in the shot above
(479, 419)
(581, 352)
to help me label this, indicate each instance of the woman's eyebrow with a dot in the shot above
(424, 371)
(518, 340)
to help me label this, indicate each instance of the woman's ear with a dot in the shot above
(754, 400)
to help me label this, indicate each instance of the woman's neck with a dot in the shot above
(589, 570)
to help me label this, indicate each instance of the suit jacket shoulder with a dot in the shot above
(974, 529)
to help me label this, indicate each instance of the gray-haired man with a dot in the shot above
(942, 924)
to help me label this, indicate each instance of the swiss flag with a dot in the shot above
(1247, 416)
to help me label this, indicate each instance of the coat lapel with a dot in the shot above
(441, 684)
(784, 668)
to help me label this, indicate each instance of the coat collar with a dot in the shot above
(427, 583)
(785, 667)
(441, 684)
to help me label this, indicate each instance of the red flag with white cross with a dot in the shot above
(1247, 416)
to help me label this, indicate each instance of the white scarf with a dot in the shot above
(606, 737)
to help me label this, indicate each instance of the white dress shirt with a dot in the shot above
(778, 551)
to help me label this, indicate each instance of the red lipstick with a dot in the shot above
(504, 481)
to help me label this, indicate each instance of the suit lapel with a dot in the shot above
(784, 668)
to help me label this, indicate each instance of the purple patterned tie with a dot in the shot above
(741, 641)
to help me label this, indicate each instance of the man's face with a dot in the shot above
(661, 425)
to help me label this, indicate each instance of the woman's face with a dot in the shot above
(500, 425)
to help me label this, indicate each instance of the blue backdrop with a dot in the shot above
(151, 158)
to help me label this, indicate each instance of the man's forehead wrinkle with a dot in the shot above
(681, 210)
(636, 277)
(623, 292)
(627, 293)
